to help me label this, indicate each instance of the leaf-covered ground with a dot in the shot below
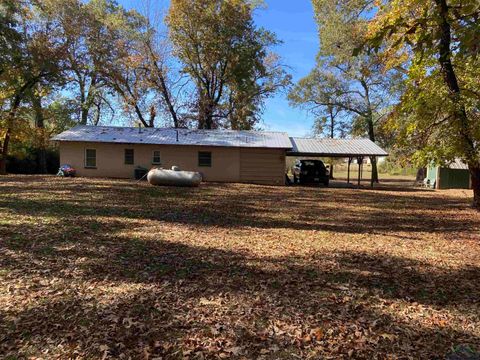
(118, 269)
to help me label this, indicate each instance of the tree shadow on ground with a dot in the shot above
(80, 283)
(339, 292)
(362, 211)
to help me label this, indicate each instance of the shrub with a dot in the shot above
(28, 164)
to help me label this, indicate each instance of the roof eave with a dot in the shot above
(295, 153)
(286, 148)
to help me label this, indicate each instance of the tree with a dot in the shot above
(437, 42)
(30, 143)
(163, 72)
(357, 86)
(227, 59)
(111, 51)
(77, 28)
(92, 32)
(318, 93)
(10, 41)
(260, 77)
(136, 69)
(29, 58)
(157, 76)
(311, 93)
(41, 138)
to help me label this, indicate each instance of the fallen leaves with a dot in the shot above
(204, 301)
(95, 268)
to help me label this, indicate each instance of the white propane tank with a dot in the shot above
(174, 177)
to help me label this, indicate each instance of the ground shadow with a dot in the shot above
(362, 211)
(92, 289)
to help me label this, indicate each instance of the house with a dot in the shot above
(452, 176)
(219, 155)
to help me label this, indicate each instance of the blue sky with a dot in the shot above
(293, 23)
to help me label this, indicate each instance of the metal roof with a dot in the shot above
(457, 164)
(170, 136)
(335, 147)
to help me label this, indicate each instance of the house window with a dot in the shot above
(129, 156)
(156, 157)
(205, 158)
(90, 158)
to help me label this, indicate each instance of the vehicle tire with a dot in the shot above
(326, 183)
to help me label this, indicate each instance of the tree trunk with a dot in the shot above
(421, 174)
(332, 122)
(209, 121)
(40, 126)
(42, 160)
(140, 116)
(370, 129)
(205, 121)
(168, 101)
(373, 160)
(98, 114)
(4, 152)
(450, 79)
(166, 94)
(205, 113)
(332, 135)
(153, 113)
(87, 98)
(475, 176)
(84, 115)
(6, 139)
(468, 146)
(83, 108)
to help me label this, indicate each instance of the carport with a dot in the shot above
(337, 148)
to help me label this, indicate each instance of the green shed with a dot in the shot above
(453, 176)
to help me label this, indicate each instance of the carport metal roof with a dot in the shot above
(334, 147)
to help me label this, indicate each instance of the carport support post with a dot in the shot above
(371, 177)
(360, 163)
(348, 171)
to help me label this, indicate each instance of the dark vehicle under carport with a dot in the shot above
(337, 148)
(310, 172)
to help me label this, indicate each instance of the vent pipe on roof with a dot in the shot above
(177, 134)
(139, 128)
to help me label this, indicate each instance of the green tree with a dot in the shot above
(79, 30)
(318, 94)
(111, 51)
(29, 58)
(357, 86)
(92, 32)
(136, 69)
(437, 42)
(227, 59)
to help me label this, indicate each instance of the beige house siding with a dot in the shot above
(229, 164)
(262, 166)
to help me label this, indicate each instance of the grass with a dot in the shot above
(93, 268)
(341, 173)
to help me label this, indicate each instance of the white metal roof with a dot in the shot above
(335, 147)
(458, 164)
(227, 138)
(170, 136)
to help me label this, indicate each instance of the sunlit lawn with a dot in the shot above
(119, 269)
